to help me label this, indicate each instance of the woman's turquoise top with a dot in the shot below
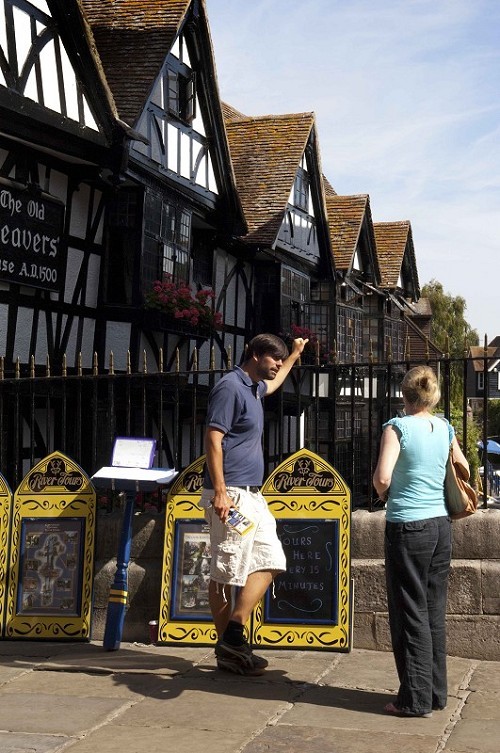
(417, 484)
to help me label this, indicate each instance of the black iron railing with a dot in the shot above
(336, 410)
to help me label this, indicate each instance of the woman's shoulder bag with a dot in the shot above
(460, 497)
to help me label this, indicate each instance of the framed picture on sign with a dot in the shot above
(191, 571)
(51, 566)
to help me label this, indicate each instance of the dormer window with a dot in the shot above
(180, 92)
(301, 190)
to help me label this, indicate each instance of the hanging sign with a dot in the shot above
(52, 553)
(31, 229)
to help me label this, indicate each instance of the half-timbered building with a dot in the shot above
(140, 216)
(278, 176)
(358, 275)
(115, 174)
(59, 134)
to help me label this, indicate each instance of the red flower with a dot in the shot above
(178, 301)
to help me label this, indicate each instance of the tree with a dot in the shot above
(450, 330)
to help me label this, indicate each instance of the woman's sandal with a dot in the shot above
(394, 711)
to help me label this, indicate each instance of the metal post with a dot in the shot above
(117, 601)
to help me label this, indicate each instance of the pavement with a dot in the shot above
(149, 699)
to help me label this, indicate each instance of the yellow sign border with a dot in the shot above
(5, 514)
(182, 504)
(52, 502)
(300, 502)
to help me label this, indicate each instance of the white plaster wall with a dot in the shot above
(117, 341)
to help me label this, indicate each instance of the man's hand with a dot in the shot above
(298, 346)
(221, 504)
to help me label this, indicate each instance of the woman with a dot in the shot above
(410, 476)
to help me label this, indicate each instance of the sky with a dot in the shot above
(407, 101)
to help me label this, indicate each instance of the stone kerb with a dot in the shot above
(476, 537)
(473, 618)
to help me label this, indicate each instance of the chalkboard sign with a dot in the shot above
(312, 602)
(308, 591)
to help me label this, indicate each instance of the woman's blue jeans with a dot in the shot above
(417, 562)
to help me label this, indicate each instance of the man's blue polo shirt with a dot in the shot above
(235, 407)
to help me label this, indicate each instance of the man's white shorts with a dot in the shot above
(235, 557)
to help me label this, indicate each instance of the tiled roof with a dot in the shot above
(328, 188)
(418, 345)
(477, 353)
(345, 220)
(393, 240)
(231, 113)
(422, 307)
(266, 153)
(133, 38)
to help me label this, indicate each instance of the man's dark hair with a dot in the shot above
(266, 345)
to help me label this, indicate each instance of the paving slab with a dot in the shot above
(82, 684)
(482, 705)
(296, 739)
(237, 706)
(80, 698)
(301, 666)
(486, 677)
(178, 739)
(346, 708)
(7, 674)
(139, 658)
(52, 714)
(377, 670)
(20, 742)
(475, 736)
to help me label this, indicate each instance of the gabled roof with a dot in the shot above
(133, 38)
(477, 353)
(266, 153)
(346, 217)
(422, 308)
(418, 345)
(328, 188)
(231, 113)
(394, 239)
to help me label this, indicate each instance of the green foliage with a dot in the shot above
(473, 437)
(450, 330)
(493, 418)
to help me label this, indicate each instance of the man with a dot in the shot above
(233, 477)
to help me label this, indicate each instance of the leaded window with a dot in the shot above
(167, 241)
(349, 333)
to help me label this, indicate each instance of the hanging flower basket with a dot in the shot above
(314, 351)
(182, 310)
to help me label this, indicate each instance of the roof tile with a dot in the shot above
(123, 31)
(393, 239)
(345, 220)
(266, 153)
